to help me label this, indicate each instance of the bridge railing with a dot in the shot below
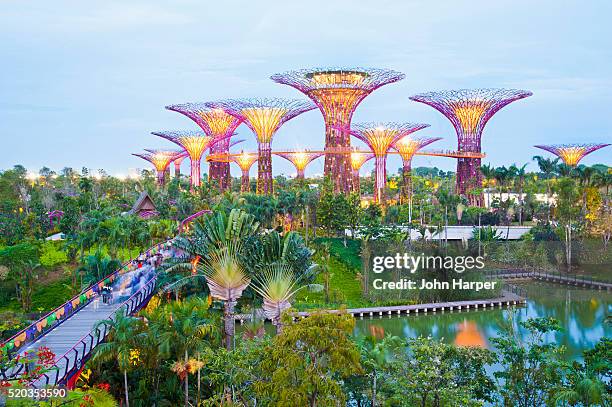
(74, 359)
(51, 320)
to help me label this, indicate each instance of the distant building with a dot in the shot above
(144, 207)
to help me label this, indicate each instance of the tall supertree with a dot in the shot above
(337, 92)
(571, 154)
(264, 117)
(469, 110)
(300, 159)
(160, 159)
(245, 161)
(358, 158)
(217, 124)
(407, 147)
(380, 137)
(194, 143)
(177, 163)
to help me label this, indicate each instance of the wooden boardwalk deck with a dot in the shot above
(553, 278)
(507, 300)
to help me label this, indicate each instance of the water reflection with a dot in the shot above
(580, 312)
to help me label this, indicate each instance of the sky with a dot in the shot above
(84, 83)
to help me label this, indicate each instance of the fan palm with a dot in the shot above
(277, 285)
(226, 279)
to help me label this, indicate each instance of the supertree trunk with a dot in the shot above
(300, 174)
(264, 170)
(220, 173)
(177, 170)
(338, 165)
(195, 173)
(469, 179)
(406, 193)
(356, 182)
(381, 177)
(161, 178)
(245, 181)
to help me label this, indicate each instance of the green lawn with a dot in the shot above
(45, 297)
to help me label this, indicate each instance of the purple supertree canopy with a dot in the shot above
(337, 93)
(307, 80)
(571, 154)
(469, 110)
(214, 122)
(264, 117)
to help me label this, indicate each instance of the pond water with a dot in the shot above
(581, 312)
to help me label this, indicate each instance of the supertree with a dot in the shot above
(571, 154)
(177, 163)
(160, 159)
(194, 143)
(380, 137)
(337, 92)
(300, 159)
(407, 147)
(358, 158)
(217, 124)
(264, 117)
(469, 110)
(245, 161)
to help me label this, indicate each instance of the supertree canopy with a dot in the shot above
(357, 159)
(337, 92)
(264, 117)
(194, 142)
(245, 161)
(217, 124)
(380, 137)
(469, 110)
(300, 159)
(407, 147)
(571, 154)
(160, 159)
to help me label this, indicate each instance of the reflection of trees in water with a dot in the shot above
(581, 312)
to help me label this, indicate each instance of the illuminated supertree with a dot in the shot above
(177, 163)
(358, 158)
(571, 154)
(469, 110)
(194, 143)
(380, 137)
(217, 124)
(245, 161)
(300, 159)
(337, 92)
(160, 159)
(264, 117)
(407, 148)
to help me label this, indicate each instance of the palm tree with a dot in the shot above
(519, 176)
(277, 285)
(488, 172)
(501, 177)
(376, 357)
(185, 326)
(97, 266)
(226, 280)
(125, 335)
(548, 167)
